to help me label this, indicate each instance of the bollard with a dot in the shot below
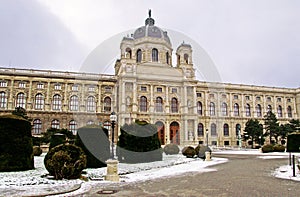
(207, 156)
(294, 170)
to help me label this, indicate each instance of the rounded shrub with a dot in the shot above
(279, 148)
(37, 151)
(202, 150)
(15, 144)
(171, 149)
(138, 143)
(93, 140)
(189, 151)
(65, 161)
(267, 148)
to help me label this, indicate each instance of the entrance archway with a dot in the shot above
(174, 133)
(161, 132)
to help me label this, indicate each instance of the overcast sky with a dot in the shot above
(255, 42)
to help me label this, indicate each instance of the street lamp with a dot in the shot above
(239, 136)
(113, 119)
(207, 137)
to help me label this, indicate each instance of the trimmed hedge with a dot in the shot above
(139, 143)
(37, 151)
(65, 161)
(171, 149)
(278, 148)
(267, 148)
(95, 144)
(189, 151)
(15, 144)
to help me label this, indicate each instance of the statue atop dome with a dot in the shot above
(149, 13)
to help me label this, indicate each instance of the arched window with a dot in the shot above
(159, 104)
(143, 104)
(199, 108)
(139, 55)
(21, 100)
(74, 103)
(212, 110)
(269, 108)
(279, 111)
(200, 130)
(3, 100)
(37, 126)
(55, 124)
(213, 129)
(248, 110)
(39, 101)
(186, 58)
(56, 103)
(224, 109)
(154, 55)
(167, 58)
(289, 111)
(91, 104)
(236, 110)
(174, 105)
(258, 110)
(107, 104)
(73, 126)
(128, 53)
(226, 130)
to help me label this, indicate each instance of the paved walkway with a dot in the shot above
(242, 175)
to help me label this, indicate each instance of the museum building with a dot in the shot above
(146, 86)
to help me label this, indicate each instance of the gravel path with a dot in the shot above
(242, 175)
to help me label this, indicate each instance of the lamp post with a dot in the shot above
(239, 136)
(207, 137)
(113, 119)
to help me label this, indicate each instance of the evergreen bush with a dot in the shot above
(57, 139)
(202, 149)
(189, 151)
(37, 151)
(278, 148)
(171, 149)
(15, 144)
(65, 161)
(267, 148)
(95, 143)
(139, 143)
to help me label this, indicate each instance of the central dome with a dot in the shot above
(150, 30)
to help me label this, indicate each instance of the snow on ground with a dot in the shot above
(34, 182)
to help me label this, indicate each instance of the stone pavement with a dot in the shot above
(242, 175)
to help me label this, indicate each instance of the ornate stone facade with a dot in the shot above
(146, 86)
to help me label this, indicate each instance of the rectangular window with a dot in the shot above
(224, 96)
(143, 88)
(159, 89)
(91, 88)
(211, 96)
(258, 98)
(57, 87)
(3, 83)
(235, 97)
(226, 143)
(22, 85)
(269, 99)
(278, 99)
(107, 89)
(75, 88)
(247, 98)
(40, 86)
(174, 90)
(289, 100)
(199, 94)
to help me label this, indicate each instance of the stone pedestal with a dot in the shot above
(207, 156)
(112, 170)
